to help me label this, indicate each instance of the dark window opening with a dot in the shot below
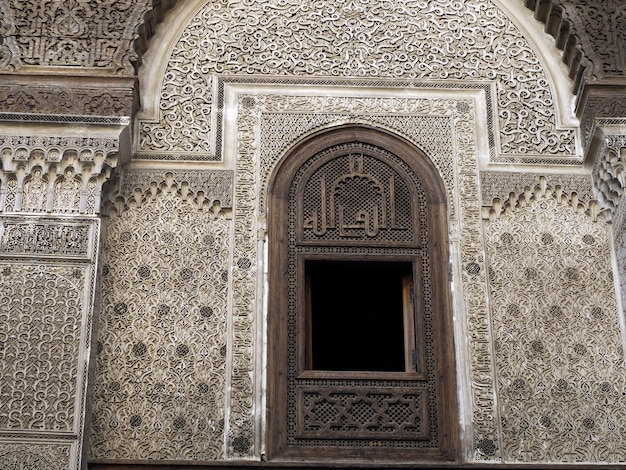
(359, 316)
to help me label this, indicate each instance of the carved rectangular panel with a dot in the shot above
(47, 238)
(362, 413)
(559, 358)
(47, 282)
(161, 361)
(42, 321)
(36, 455)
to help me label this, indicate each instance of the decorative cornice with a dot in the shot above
(590, 34)
(503, 191)
(53, 149)
(208, 189)
(602, 102)
(55, 174)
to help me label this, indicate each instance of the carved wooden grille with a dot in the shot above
(380, 413)
(357, 199)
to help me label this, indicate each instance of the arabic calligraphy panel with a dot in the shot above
(356, 195)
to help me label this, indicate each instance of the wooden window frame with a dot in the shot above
(412, 323)
(447, 430)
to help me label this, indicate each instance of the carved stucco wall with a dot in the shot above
(409, 41)
(266, 124)
(517, 117)
(56, 175)
(609, 184)
(556, 332)
(47, 269)
(161, 381)
(587, 32)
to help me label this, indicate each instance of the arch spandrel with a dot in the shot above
(412, 42)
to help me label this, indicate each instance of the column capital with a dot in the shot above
(57, 168)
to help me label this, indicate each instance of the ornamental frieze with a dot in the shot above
(101, 101)
(208, 188)
(500, 189)
(43, 238)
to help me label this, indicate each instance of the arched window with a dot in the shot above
(360, 333)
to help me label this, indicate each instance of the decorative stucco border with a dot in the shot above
(255, 140)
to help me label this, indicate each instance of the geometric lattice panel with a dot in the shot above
(559, 358)
(339, 413)
(40, 335)
(160, 368)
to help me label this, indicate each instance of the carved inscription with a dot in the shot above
(356, 197)
(45, 239)
(371, 214)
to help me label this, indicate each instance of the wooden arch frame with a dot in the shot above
(278, 331)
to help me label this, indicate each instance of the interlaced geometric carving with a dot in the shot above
(558, 347)
(161, 363)
(41, 322)
(334, 412)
